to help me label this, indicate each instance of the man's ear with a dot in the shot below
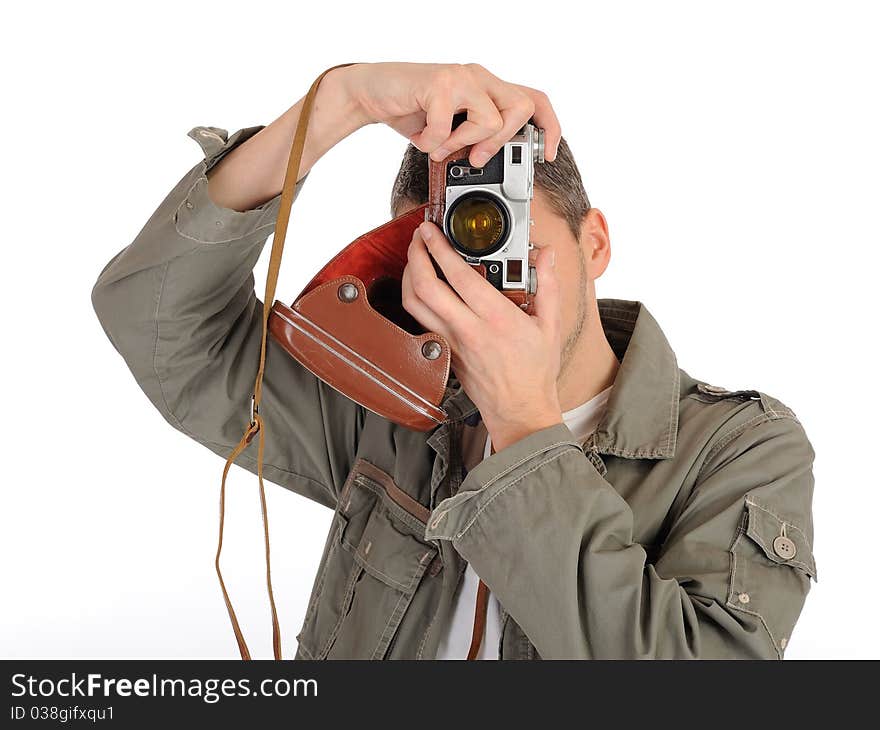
(595, 244)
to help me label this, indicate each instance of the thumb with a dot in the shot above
(547, 304)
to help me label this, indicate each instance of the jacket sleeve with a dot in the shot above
(178, 304)
(719, 588)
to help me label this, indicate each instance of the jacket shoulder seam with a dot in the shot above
(736, 431)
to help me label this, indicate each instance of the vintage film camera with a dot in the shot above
(487, 211)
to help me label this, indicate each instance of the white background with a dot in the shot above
(733, 148)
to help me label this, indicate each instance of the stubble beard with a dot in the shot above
(577, 330)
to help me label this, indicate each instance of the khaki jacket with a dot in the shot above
(681, 529)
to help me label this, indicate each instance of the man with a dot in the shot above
(587, 499)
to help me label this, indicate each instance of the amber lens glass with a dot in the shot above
(476, 224)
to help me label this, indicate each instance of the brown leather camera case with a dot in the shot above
(338, 333)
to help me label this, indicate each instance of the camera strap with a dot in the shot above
(257, 425)
(481, 610)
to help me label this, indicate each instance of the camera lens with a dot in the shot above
(478, 224)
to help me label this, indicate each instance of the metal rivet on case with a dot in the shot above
(432, 349)
(347, 292)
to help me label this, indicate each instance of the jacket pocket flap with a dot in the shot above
(391, 555)
(781, 540)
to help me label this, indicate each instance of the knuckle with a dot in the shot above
(421, 287)
(443, 77)
(541, 96)
(441, 95)
(455, 279)
(525, 104)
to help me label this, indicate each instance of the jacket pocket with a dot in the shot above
(771, 566)
(374, 562)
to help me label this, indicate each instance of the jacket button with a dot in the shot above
(784, 547)
(744, 598)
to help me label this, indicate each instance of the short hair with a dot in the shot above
(559, 180)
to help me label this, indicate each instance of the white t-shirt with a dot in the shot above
(581, 420)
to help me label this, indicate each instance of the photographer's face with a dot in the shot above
(578, 264)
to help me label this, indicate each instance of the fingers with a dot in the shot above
(545, 118)
(547, 307)
(483, 119)
(478, 294)
(496, 110)
(427, 290)
(438, 121)
(515, 109)
(418, 309)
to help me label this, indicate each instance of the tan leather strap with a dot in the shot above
(480, 610)
(479, 620)
(257, 426)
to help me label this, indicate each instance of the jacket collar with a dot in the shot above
(641, 417)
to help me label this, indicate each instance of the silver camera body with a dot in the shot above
(487, 210)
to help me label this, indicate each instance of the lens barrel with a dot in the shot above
(478, 224)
